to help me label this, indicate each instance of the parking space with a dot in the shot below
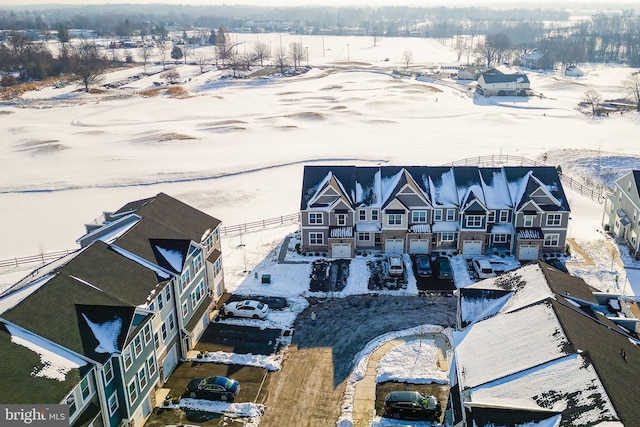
(253, 385)
(433, 283)
(329, 276)
(239, 339)
(381, 279)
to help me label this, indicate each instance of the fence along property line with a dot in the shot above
(239, 228)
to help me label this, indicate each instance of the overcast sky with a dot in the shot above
(373, 3)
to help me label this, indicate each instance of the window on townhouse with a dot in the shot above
(185, 309)
(451, 214)
(171, 322)
(419, 216)
(209, 242)
(108, 372)
(163, 331)
(504, 216)
(152, 306)
(197, 261)
(156, 340)
(528, 220)
(137, 345)
(216, 235)
(167, 293)
(554, 219)
(160, 302)
(315, 218)
(491, 218)
(197, 294)
(447, 237)
(394, 219)
(113, 403)
(71, 401)
(316, 239)
(217, 267)
(151, 364)
(185, 278)
(551, 239)
(127, 358)
(364, 237)
(147, 334)
(500, 238)
(133, 391)
(374, 215)
(142, 378)
(362, 215)
(85, 388)
(633, 238)
(635, 214)
(473, 221)
(341, 219)
(437, 215)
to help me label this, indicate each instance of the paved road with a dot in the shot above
(309, 389)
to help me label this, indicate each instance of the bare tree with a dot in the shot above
(407, 58)
(592, 100)
(145, 55)
(281, 60)
(162, 46)
(87, 64)
(201, 59)
(247, 59)
(172, 76)
(296, 52)
(631, 87)
(261, 51)
(187, 51)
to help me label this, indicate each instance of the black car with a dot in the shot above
(444, 268)
(423, 265)
(213, 388)
(411, 405)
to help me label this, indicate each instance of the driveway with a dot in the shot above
(309, 389)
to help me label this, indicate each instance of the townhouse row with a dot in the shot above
(469, 210)
(101, 329)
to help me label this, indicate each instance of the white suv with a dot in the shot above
(483, 268)
(396, 267)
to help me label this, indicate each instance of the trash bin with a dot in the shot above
(266, 278)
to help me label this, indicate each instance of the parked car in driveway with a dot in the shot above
(423, 265)
(483, 268)
(444, 268)
(246, 308)
(396, 267)
(411, 405)
(213, 388)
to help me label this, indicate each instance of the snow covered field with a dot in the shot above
(236, 148)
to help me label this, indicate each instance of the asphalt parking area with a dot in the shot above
(380, 278)
(433, 283)
(253, 385)
(440, 391)
(239, 339)
(274, 303)
(329, 276)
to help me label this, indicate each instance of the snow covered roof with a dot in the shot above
(442, 187)
(572, 362)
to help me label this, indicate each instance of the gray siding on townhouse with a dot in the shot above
(305, 219)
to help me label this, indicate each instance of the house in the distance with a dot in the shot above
(621, 214)
(533, 60)
(101, 329)
(423, 209)
(505, 81)
(537, 346)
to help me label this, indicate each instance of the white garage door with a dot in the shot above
(472, 247)
(341, 250)
(394, 246)
(528, 252)
(170, 361)
(418, 246)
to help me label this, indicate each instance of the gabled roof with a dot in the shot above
(115, 274)
(164, 218)
(523, 181)
(318, 178)
(62, 311)
(504, 75)
(32, 372)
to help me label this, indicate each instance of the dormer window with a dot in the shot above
(504, 216)
(528, 220)
(341, 219)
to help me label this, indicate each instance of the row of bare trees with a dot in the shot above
(592, 100)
